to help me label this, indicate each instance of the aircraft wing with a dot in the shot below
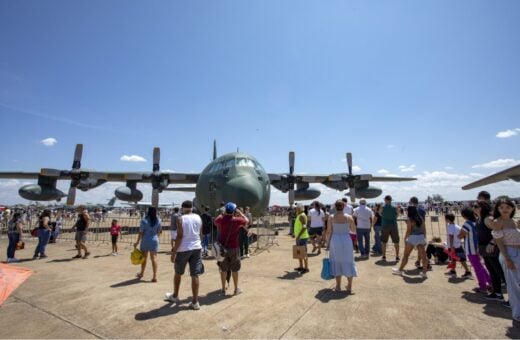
(144, 177)
(391, 179)
(512, 173)
(299, 178)
(20, 175)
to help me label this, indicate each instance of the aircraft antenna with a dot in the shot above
(214, 149)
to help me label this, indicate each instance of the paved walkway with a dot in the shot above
(99, 298)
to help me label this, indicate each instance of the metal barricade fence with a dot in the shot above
(265, 229)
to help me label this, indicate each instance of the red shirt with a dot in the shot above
(115, 229)
(229, 225)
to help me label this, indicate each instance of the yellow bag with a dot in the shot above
(136, 256)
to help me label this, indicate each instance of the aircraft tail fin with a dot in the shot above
(214, 149)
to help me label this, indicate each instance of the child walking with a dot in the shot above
(115, 231)
(456, 250)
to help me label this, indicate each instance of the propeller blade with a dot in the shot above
(291, 162)
(71, 197)
(353, 194)
(291, 197)
(155, 198)
(156, 159)
(349, 162)
(78, 153)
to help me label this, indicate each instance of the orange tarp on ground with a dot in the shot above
(10, 278)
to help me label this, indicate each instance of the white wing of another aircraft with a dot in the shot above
(512, 173)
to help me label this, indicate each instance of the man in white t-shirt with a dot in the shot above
(317, 221)
(364, 218)
(187, 249)
(348, 208)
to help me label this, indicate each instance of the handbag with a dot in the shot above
(20, 245)
(34, 232)
(325, 269)
(136, 257)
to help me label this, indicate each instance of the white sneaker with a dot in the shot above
(247, 255)
(9, 260)
(194, 306)
(396, 271)
(423, 275)
(170, 298)
(114, 254)
(14, 259)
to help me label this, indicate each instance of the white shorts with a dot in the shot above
(416, 240)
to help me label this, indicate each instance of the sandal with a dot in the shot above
(77, 257)
(154, 280)
(139, 275)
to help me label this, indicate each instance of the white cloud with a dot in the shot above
(133, 158)
(448, 168)
(49, 141)
(508, 133)
(406, 168)
(383, 171)
(476, 174)
(499, 163)
(356, 168)
(390, 146)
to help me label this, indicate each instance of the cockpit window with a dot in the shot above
(245, 162)
(230, 163)
(216, 167)
(239, 162)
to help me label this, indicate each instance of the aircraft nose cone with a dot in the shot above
(245, 191)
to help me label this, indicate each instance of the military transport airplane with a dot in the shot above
(504, 175)
(235, 176)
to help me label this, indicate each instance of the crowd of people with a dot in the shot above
(489, 240)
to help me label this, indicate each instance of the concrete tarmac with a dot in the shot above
(100, 298)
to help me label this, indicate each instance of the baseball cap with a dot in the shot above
(230, 207)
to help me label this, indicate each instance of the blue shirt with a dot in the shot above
(150, 232)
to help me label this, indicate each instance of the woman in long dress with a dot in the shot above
(340, 245)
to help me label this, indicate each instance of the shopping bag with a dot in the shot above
(34, 232)
(136, 257)
(299, 252)
(20, 245)
(325, 269)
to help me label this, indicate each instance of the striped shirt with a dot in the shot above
(471, 240)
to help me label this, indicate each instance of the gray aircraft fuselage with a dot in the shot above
(234, 177)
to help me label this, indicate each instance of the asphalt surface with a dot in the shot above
(100, 298)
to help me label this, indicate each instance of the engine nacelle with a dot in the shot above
(368, 192)
(306, 194)
(128, 194)
(36, 192)
(90, 183)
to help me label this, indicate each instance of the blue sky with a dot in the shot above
(412, 88)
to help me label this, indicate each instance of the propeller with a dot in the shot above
(350, 178)
(75, 174)
(291, 177)
(156, 177)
